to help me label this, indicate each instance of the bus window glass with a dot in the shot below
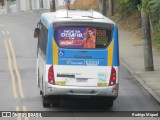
(83, 37)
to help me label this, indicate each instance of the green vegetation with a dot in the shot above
(155, 17)
(128, 14)
(129, 9)
(125, 8)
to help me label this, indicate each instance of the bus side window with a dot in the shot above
(43, 39)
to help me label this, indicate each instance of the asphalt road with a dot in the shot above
(19, 91)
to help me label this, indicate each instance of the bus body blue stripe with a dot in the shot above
(49, 45)
(69, 56)
(116, 47)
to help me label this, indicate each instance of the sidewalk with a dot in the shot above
(131, 55)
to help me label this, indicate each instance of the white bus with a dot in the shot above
(77, 55)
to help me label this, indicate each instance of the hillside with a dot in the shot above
(127, 22)
(127, 16)
(86, 4)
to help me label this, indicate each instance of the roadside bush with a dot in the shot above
(155, 10)
(125, 8)
(155, 18)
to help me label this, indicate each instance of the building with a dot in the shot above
(34, 4)
(10, 6)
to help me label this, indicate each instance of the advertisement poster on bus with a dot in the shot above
(77, 37)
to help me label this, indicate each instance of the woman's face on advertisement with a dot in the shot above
(90, 33)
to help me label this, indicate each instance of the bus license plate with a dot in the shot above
(81, 80)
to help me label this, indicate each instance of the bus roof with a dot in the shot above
(73, 16)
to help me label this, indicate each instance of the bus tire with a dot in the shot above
(56, 101)
(41, 93)
(46, 102)
(110, 103)
(46, 105)
(107, 102)
(38, 79)
(56, 104)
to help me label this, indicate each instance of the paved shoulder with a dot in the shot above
(131, 52)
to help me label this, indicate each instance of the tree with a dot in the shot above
(148, 55)
(102, 7)
(111, 8)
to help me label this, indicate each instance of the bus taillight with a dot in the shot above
(54, 25)
(112, 77)
(51, 79)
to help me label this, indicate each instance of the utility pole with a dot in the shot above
(148, 55)
(111, 8)
(102, 7)
(53, 6)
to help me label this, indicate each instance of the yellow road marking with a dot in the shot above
(17, 110)
(3, 32)
(7, 32)
(25, 109)
(10, 70)
(17, 71)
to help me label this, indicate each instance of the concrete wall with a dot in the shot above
(3, 11)
(35, 4)
(25, 6)
(46, 4)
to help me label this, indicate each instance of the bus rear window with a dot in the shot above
(83, 37)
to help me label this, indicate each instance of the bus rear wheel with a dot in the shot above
(51, 100)
(55, 101)
(108, 102)
(45, 101)
(46, 105)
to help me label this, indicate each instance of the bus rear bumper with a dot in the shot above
(55, 90)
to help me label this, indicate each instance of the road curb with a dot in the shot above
(140, 80)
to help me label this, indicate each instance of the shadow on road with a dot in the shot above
(82, 105)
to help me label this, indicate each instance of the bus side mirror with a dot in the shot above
(36, 32)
